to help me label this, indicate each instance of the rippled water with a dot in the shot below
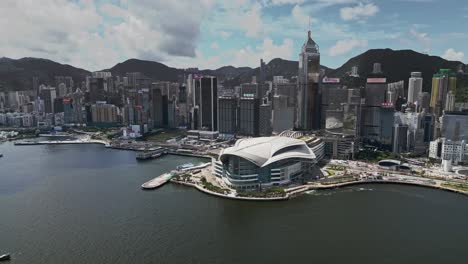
(83, 204)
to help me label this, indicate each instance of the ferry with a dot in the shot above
(186, 166)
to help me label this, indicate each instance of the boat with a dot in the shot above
(1, 155)
(186, 166)
(5, 257)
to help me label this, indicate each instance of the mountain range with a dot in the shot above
(396, 65)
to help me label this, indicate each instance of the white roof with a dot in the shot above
(266, 150)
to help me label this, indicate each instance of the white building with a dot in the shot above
(414, 86)
(449, 152)
(263, 162)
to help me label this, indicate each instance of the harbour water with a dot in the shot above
(84, 204)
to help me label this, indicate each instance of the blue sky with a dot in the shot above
(209, 33)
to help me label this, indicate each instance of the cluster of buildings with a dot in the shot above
(337, 117)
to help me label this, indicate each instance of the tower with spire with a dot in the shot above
(308, 112)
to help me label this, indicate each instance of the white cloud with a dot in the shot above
(423, 39)
(225, 34)
(96, 36)
(286, 2)
(251, 21)
(453, 55)
(267, 51)
(214, 45)
(345, 46)
(359, 11)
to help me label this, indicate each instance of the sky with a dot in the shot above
(97, 34)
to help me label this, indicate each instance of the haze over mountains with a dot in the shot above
(397, 65)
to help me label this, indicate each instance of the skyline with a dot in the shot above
(97, 34)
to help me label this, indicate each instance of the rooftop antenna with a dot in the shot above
(308, 33)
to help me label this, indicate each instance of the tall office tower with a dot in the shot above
(227, 110)
(35, 86)
(262, 74)
(264, 123)
(205, 103)
(374, 95)
(414, 87)
(157, 107)
(58, 105)
(283, 113)
(249, 113)
(172, 113)
(68, 116)
(96, 90)
(442, 82)
(424, 100)
(400, 138)
(308, 114)
(209, 103)
(333, 98)
(427, 124)
(2, 100)
(184, 110)
(387, 121)
(48, 94)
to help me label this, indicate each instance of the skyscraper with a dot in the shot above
(205, 103)
(48, 94)
(308, 114)
(375, 92)
(442, 82)
(227, 109)
(414, 86)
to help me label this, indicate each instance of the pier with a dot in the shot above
(60, 142)
(158, 181)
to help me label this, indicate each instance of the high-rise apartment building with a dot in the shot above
(442, 82)
(415, 84)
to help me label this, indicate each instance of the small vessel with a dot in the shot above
(5, 257)
(186, 166)
(1, 155)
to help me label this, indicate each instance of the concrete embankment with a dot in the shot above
(345, 184)
(29, 143)
(201, 189)
(302, 189)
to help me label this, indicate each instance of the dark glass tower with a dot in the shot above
(308, 112)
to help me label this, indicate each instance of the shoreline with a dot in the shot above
(301, 190)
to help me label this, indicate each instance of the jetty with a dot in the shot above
(158, 181)
(61, 142)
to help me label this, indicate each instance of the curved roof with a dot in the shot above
(263, 151)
